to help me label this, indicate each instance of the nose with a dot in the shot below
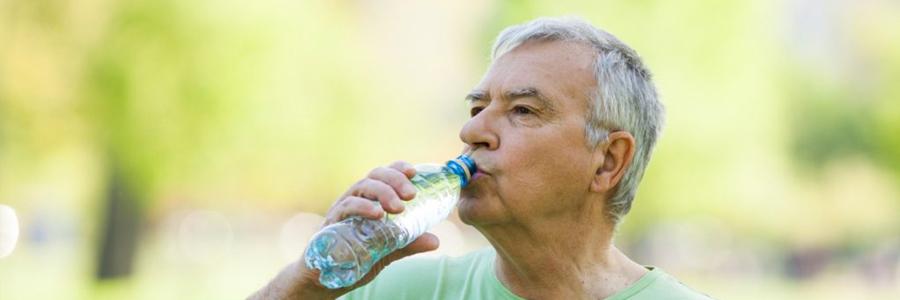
(480, 132)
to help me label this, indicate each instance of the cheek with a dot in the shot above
(542, 173)
(547, 153)
(549, 167)
(548, 178)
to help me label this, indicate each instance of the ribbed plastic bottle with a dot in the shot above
(345, 251)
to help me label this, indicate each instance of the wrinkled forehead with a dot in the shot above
(558, 70)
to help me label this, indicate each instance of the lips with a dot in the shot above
(480, 172)
(482, 168)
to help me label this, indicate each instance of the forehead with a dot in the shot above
(558, 70)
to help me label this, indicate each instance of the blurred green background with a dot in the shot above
(187, 149)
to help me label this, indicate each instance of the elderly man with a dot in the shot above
(561, 129)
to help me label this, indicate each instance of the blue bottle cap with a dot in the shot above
(464, 167)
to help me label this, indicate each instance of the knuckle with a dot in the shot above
(362, 187)
(395, 178)
(401, 166)
(375, 172)
(358, 185)
(346, 203)
(365, 182)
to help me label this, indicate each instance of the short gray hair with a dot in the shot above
(626, 99)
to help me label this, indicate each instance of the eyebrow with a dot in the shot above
(480, 95)
(476, 95)
(526, 92)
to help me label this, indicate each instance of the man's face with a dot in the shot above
(527, 135)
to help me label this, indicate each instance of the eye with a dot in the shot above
(521, 110)
(475, 110)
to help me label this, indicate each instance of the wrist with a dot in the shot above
(296, 281)
(308, 282)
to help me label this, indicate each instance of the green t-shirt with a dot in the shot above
(472, 277)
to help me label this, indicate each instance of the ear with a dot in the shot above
(611, 160)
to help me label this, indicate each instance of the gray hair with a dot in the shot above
(626, 99)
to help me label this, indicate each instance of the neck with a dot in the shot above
(563, 257)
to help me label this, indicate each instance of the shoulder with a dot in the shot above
(659, 285)
(667, 287)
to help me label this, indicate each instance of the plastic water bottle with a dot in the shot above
(345, 251)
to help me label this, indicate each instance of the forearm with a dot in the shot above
(295, 283)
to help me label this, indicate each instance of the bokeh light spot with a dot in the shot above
(296, 233)
(9, 230)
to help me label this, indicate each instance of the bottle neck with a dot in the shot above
(464, 167)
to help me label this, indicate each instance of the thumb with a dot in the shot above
(426, 242)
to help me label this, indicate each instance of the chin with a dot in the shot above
(479, 204)
(477, 211)
(467, 211)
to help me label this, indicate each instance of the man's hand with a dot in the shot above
(388, 186)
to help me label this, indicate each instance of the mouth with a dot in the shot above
(480, 167)
(478, 174)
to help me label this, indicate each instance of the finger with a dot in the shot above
(355, 206)
(397, 180)
(379, 191)
(404, 167)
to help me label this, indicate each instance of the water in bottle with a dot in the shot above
(345, 251)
